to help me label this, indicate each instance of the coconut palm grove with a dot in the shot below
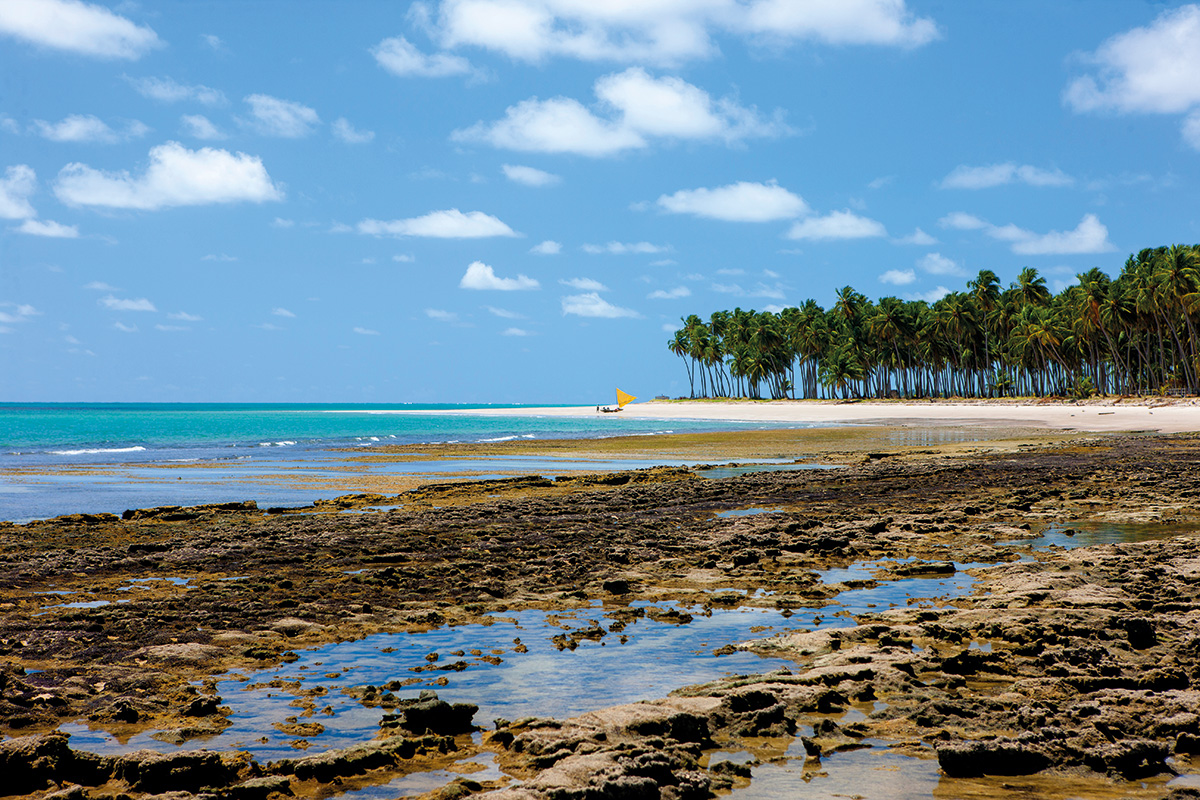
(1135, 334)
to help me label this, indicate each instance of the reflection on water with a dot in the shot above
(1087, 534)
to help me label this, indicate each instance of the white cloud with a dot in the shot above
(87, 128)
(664, 262)
(938, 264)
(917, 237)
(760, 290)
(280, 222)
(199, 126)
(624, 248)
(225, 257)
(271, 116)
(481, 276)
(365, 331)
(529, 176)
(585, 284)
(123, 328)
(837, 225)
(212, 41)
(19, 182)
(440, 315)
(176, 176)
(448, 224)
(898, 277)
(49, 228)
(593, 305)
(77, 27)
(667, 31)
(101, 286)
(1089, 236)
(515, 332)
(113, 303)
(404, 258)
(638, 107)
(398, 56)
(737, 202)
(731, 271)
(267, 326)
(547, 248)
(1145, 70)
(964, 177)
(932, 296)
(877, 22)
(170, 91)
(170, 328)
(1191, 130)
(183, 316)
(961, 221)
(21, 313)
(343, 130)
(504, 313)
(283, 312)
(670, 294)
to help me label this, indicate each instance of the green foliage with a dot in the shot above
(1135, 334)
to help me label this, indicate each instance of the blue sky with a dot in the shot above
(516, 200)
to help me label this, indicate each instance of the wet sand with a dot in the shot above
(1073, 670)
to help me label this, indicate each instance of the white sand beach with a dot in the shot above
(1163, 416)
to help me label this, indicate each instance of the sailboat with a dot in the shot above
(623, 400)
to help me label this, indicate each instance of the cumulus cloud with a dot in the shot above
(624, 248)
(667, 32)
(1191, 130)
(547, 248)
(343, 130)
(77, 27)
(199, 126)
(585, 284)
(670, 294)
(737, 202)
(272, 116)
(1147, 70)
(87, 128)
(837, 225)
(441, 315)
(175, 176)
(1150, 69)
(985, 177)
(529, 176)
(938, 264)
(49, 228)
(113, 303)
(21, 312)
(593, 305)
(448, 224)
(1089, 236)
(400, 57)
(917, 237)
(634, 109)
(481, 276)
(932, 296)
(898, 277)
(171, 91)
(19, 182)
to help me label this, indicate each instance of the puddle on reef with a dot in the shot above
(1087, 534)
(748, 512)
(531, 663)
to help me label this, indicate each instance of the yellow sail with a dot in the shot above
(624, 399)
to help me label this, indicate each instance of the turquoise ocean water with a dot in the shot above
(59, 458)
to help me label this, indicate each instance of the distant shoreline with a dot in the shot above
(1163, 415)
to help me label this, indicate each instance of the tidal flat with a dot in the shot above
(1012, 614)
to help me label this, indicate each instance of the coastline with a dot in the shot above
(1161, 415)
